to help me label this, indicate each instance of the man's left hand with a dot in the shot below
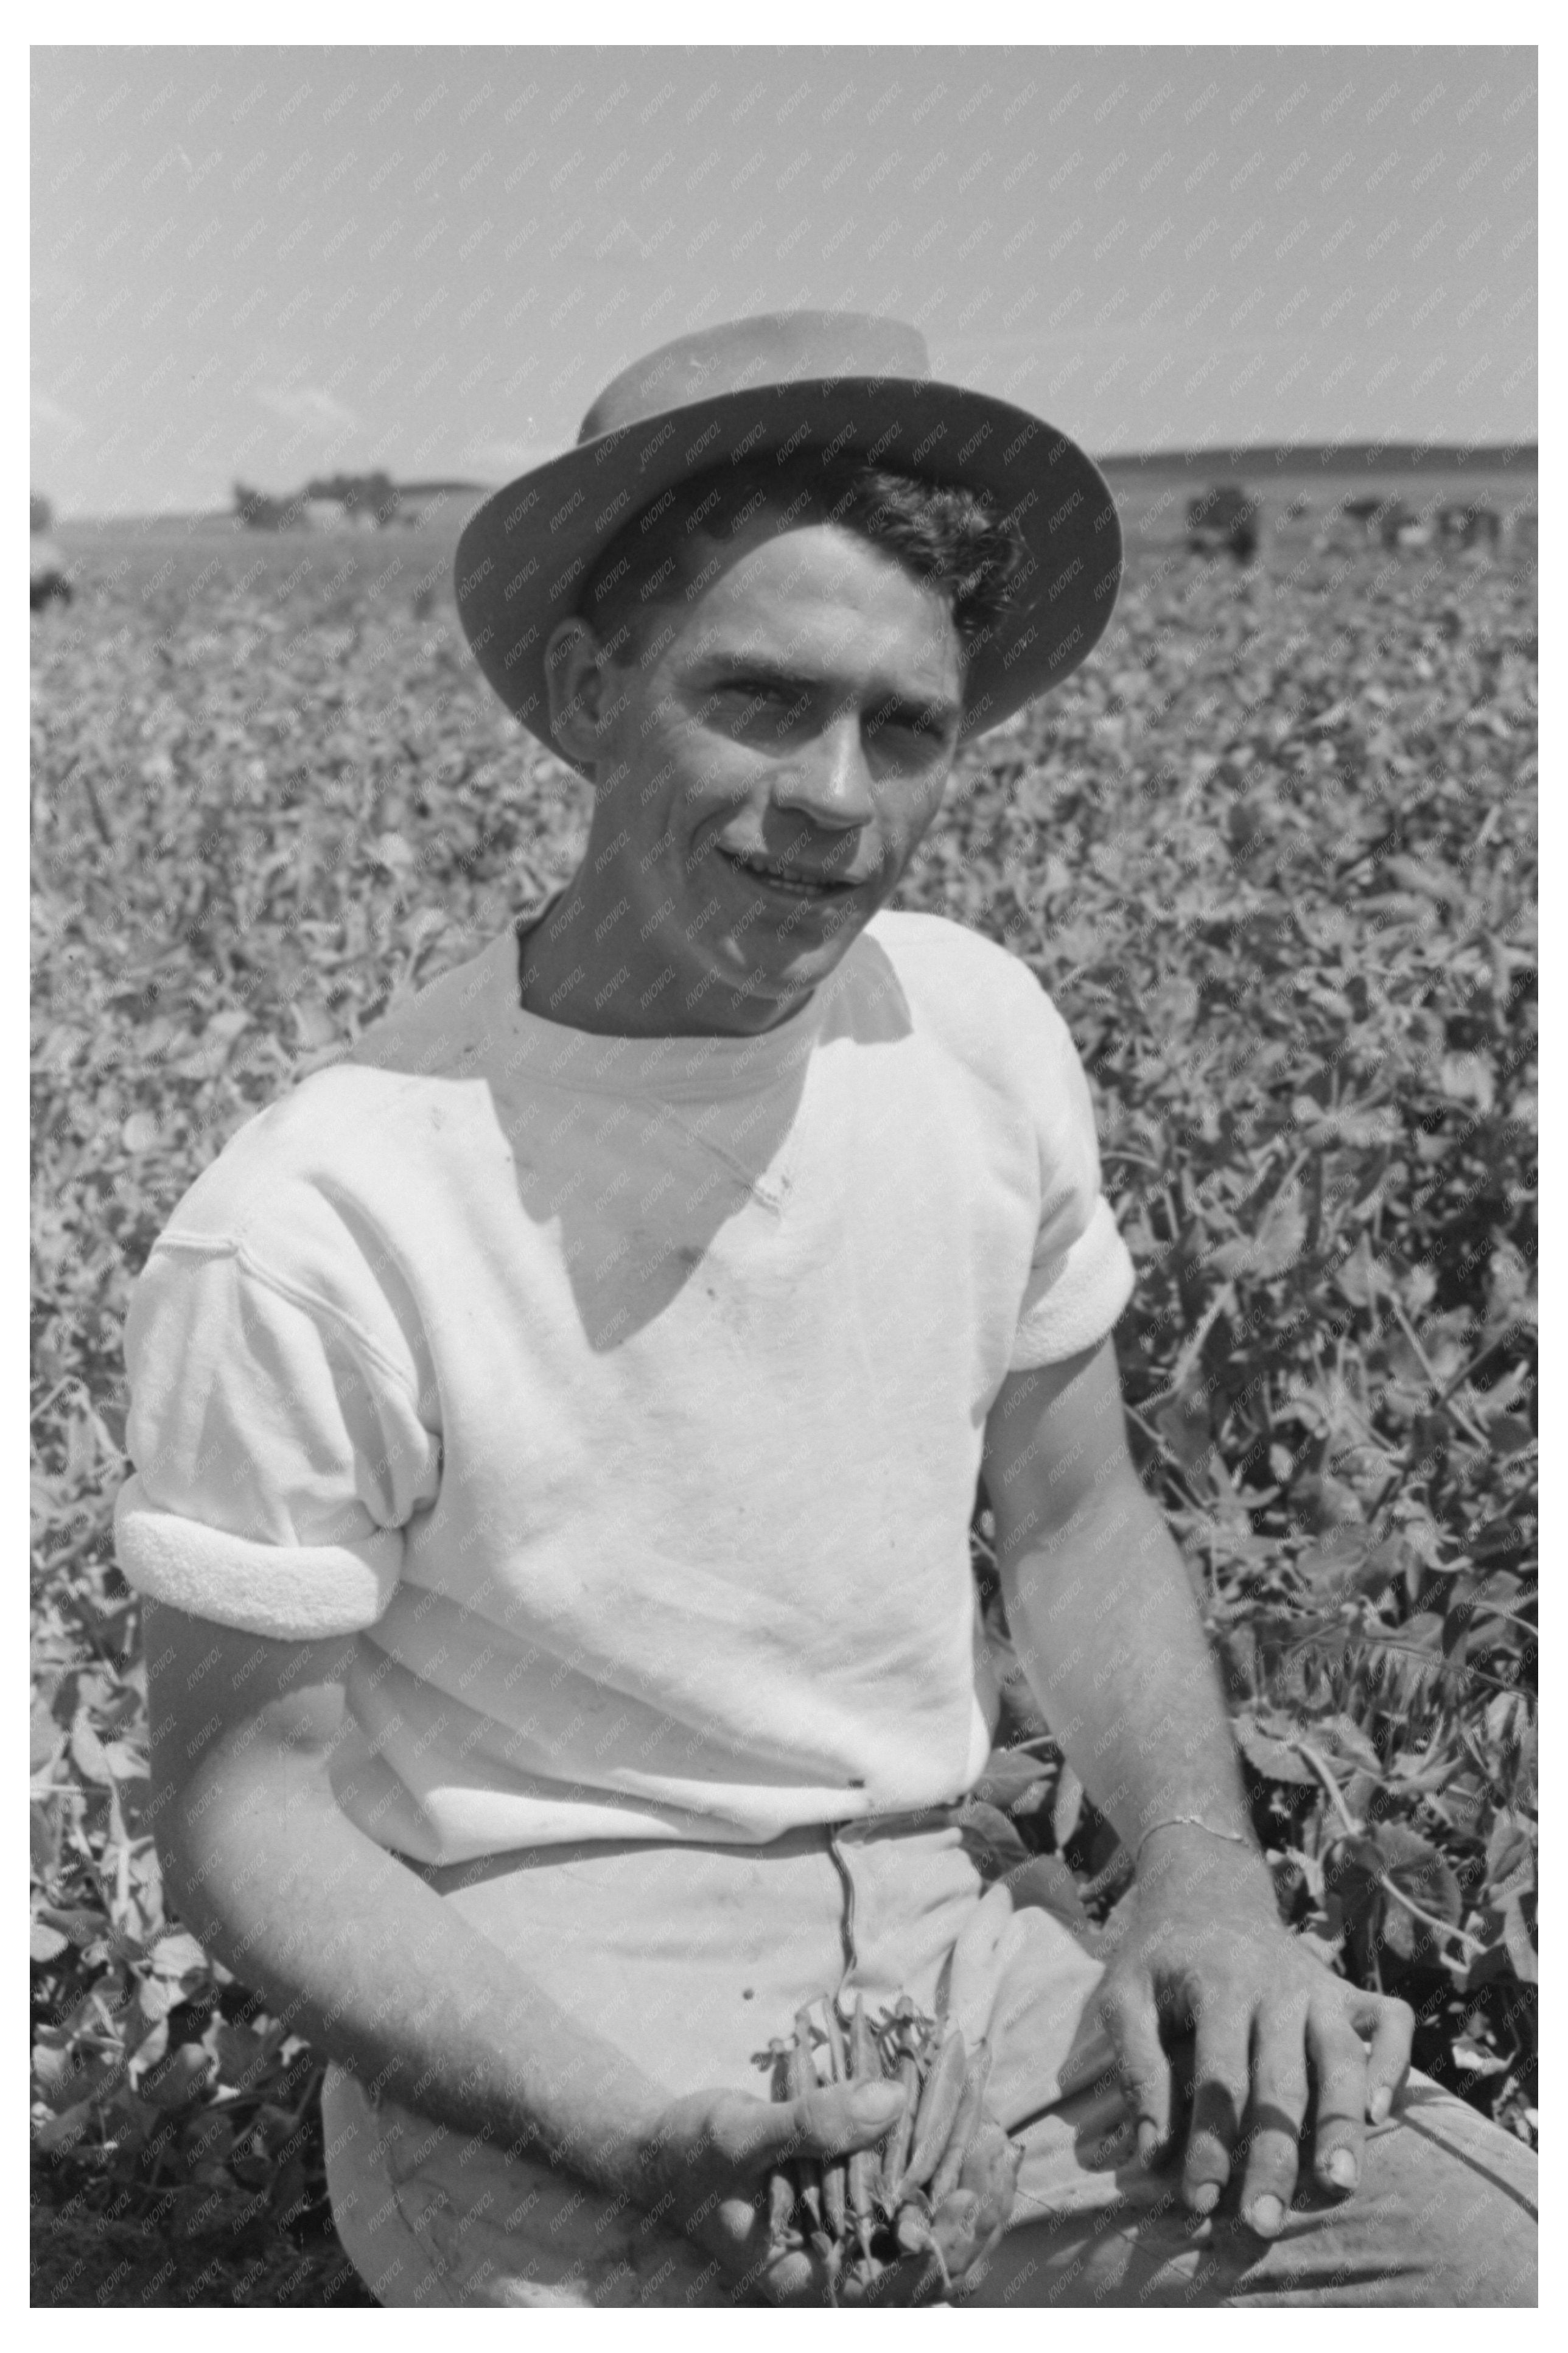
(1276, 2033)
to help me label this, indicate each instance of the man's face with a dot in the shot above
(801, 711)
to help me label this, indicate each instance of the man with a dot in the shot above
(556, 1432)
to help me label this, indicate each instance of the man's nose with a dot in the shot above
(830, 781)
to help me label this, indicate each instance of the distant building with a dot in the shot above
(1401, 526)
(48, 582)
(1365, 510)
(422, 502)
(258, 511)
(1388, 518)
(1223, 520)
(362, 501)
(1469, 526)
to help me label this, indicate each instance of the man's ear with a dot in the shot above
(575, 671)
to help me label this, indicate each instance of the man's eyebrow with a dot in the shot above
(758, 666)
(934, 712)
(931, 712)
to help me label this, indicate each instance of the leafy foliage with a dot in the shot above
(1271, 852)
(1277, 870)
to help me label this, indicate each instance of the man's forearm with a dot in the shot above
(382, 1974)
(1102, 1617)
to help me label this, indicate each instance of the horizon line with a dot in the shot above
(1515, 456)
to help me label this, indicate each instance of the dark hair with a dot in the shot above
(947, 535)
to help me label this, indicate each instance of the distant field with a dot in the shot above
(376, 563)
(1154, 506)
(1272, 852)
(127, 560)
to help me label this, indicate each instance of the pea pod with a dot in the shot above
(865, 2067)
(963, 2124)
(940, 2098)
(836, 2040)
(802, 2079)
(895, 2150)
(835, 2185)
(781, 2210)
(974, 1969)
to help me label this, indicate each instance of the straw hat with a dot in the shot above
(831, 384)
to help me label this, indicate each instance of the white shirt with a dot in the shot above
(627, 1397)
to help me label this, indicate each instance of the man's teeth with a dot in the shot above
(782, 875)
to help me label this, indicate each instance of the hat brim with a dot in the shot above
(525, 556)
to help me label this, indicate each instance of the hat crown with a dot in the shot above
(780, 347)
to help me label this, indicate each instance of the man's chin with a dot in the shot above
(792, 965)
(778, 953)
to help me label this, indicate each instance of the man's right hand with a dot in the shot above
(708, 2167)
(708, 2164)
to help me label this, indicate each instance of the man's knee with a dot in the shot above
(1468, 2190)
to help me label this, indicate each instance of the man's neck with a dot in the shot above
(559, 980)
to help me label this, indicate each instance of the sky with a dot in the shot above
(263, 264)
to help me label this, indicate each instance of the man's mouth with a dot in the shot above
(779, 874)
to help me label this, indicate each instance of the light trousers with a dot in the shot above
(690, 1959)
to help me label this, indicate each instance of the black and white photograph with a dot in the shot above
(784, 1416)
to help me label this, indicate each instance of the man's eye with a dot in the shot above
(900, 719)
(768, 700)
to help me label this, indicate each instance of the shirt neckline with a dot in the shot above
(684, 1067)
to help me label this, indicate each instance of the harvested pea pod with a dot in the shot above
(781, 2210)
(836, 2040)
(895, 2150)
(964, 2125)
(865, 2170)
(802, 2078)
(834, 2180)
(940, 2098)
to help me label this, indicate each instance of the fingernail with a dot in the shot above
(1266, 2216)
(1204, 2197)
(1341, 2169)
(1382, 2101)
(1147, 2144)
(876, 2104)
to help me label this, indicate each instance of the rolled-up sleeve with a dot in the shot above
(1081, 1276)
(278, 1445)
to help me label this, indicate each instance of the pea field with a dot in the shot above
(1271, 851)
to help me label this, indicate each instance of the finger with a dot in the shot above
(958, 2227)
(968, 2228)
(985, 2247)
(911, 2280)
(798, 2276)
(1275, 2114)
(1393, 2027)
(1340, 2104)
(1219, 2103)
(792, 2278)
(842, 2117)
(991, 2167)
(1134, 2024)
(755, 2134)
